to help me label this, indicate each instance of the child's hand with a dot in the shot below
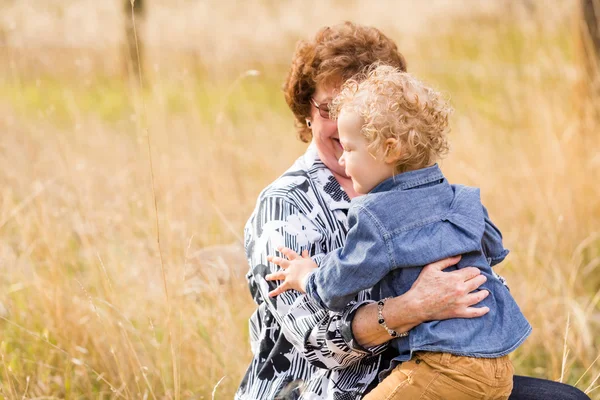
(295, 271)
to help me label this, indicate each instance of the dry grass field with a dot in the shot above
(110, 282)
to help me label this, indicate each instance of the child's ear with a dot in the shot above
(392, 150)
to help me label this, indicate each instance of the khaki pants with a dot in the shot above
(443, 376)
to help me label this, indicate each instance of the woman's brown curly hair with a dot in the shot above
(336, 54)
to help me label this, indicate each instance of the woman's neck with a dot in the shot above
(346, 184)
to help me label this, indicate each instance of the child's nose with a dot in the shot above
(341, 160)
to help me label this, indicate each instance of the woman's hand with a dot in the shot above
(444, 295)
(296, 270)
(435, 295)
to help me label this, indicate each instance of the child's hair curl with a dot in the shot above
(335, 54)
(394, 104)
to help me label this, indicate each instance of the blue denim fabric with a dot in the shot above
(409, 221)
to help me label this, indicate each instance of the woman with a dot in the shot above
(301, 350)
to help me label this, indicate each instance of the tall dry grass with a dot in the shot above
(85, 309)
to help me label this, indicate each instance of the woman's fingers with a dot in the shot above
(449, 294)
(445, 263)
(468, 273)
(305, 254)
(476, 297)
(474, 283)
(472, 312)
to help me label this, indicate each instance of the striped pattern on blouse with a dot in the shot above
(301, 351)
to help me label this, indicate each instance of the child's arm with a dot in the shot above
(295, 271)
(359, 265)
(320, 337)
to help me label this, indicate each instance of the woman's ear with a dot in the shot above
(392, 150)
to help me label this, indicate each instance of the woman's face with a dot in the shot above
(325, 132)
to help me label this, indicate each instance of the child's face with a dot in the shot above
(365, 170)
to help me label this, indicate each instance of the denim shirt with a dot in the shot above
(405, 223)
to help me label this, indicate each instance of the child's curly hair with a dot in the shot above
(335, 54)
(394, 104)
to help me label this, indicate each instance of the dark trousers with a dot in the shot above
(526, 388)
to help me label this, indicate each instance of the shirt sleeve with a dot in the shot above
(359, 265)
(491, 242)
(492, 246)
(325, 338)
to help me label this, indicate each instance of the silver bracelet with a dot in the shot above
(381, 320)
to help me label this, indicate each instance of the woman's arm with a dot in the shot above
(364, 261)
(435, 295)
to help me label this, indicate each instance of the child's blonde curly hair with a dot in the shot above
(394, 104)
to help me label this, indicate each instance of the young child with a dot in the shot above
(393, 129)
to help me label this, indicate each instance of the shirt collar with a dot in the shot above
(331, 190)
(311, 157)
(410, 179)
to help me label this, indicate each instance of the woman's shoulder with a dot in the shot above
(308, 186)
(293, 186)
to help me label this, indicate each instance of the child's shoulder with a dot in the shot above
(410, 207)
(375, 206)
(466, 194)
(365, 203)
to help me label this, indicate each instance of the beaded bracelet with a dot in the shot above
(381, 320)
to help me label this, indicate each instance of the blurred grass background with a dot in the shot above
(89, 306)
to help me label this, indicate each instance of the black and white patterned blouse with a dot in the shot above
(301, 351)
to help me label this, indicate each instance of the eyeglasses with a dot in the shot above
(323, 108)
